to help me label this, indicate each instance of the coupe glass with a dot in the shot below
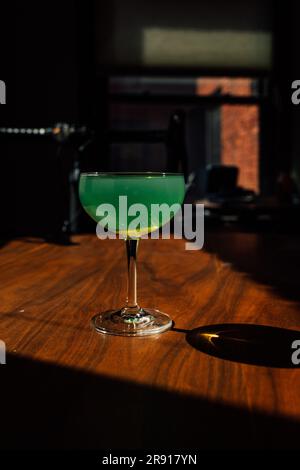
(141, 188)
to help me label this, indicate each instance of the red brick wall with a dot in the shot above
(239, 142)
(239, 128)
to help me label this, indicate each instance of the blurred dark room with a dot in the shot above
(203, 89)
(148, 90)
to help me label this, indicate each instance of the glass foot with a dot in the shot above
(146, 321)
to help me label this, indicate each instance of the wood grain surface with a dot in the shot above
(65, 386)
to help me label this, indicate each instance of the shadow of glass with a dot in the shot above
(246, 343)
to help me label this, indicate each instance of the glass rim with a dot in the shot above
(129, 173)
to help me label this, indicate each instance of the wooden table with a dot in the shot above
(196, 386)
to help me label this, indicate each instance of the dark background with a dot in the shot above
(50, 62)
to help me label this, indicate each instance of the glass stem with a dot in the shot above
(131, 250)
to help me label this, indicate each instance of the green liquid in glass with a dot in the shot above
(146, 189)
